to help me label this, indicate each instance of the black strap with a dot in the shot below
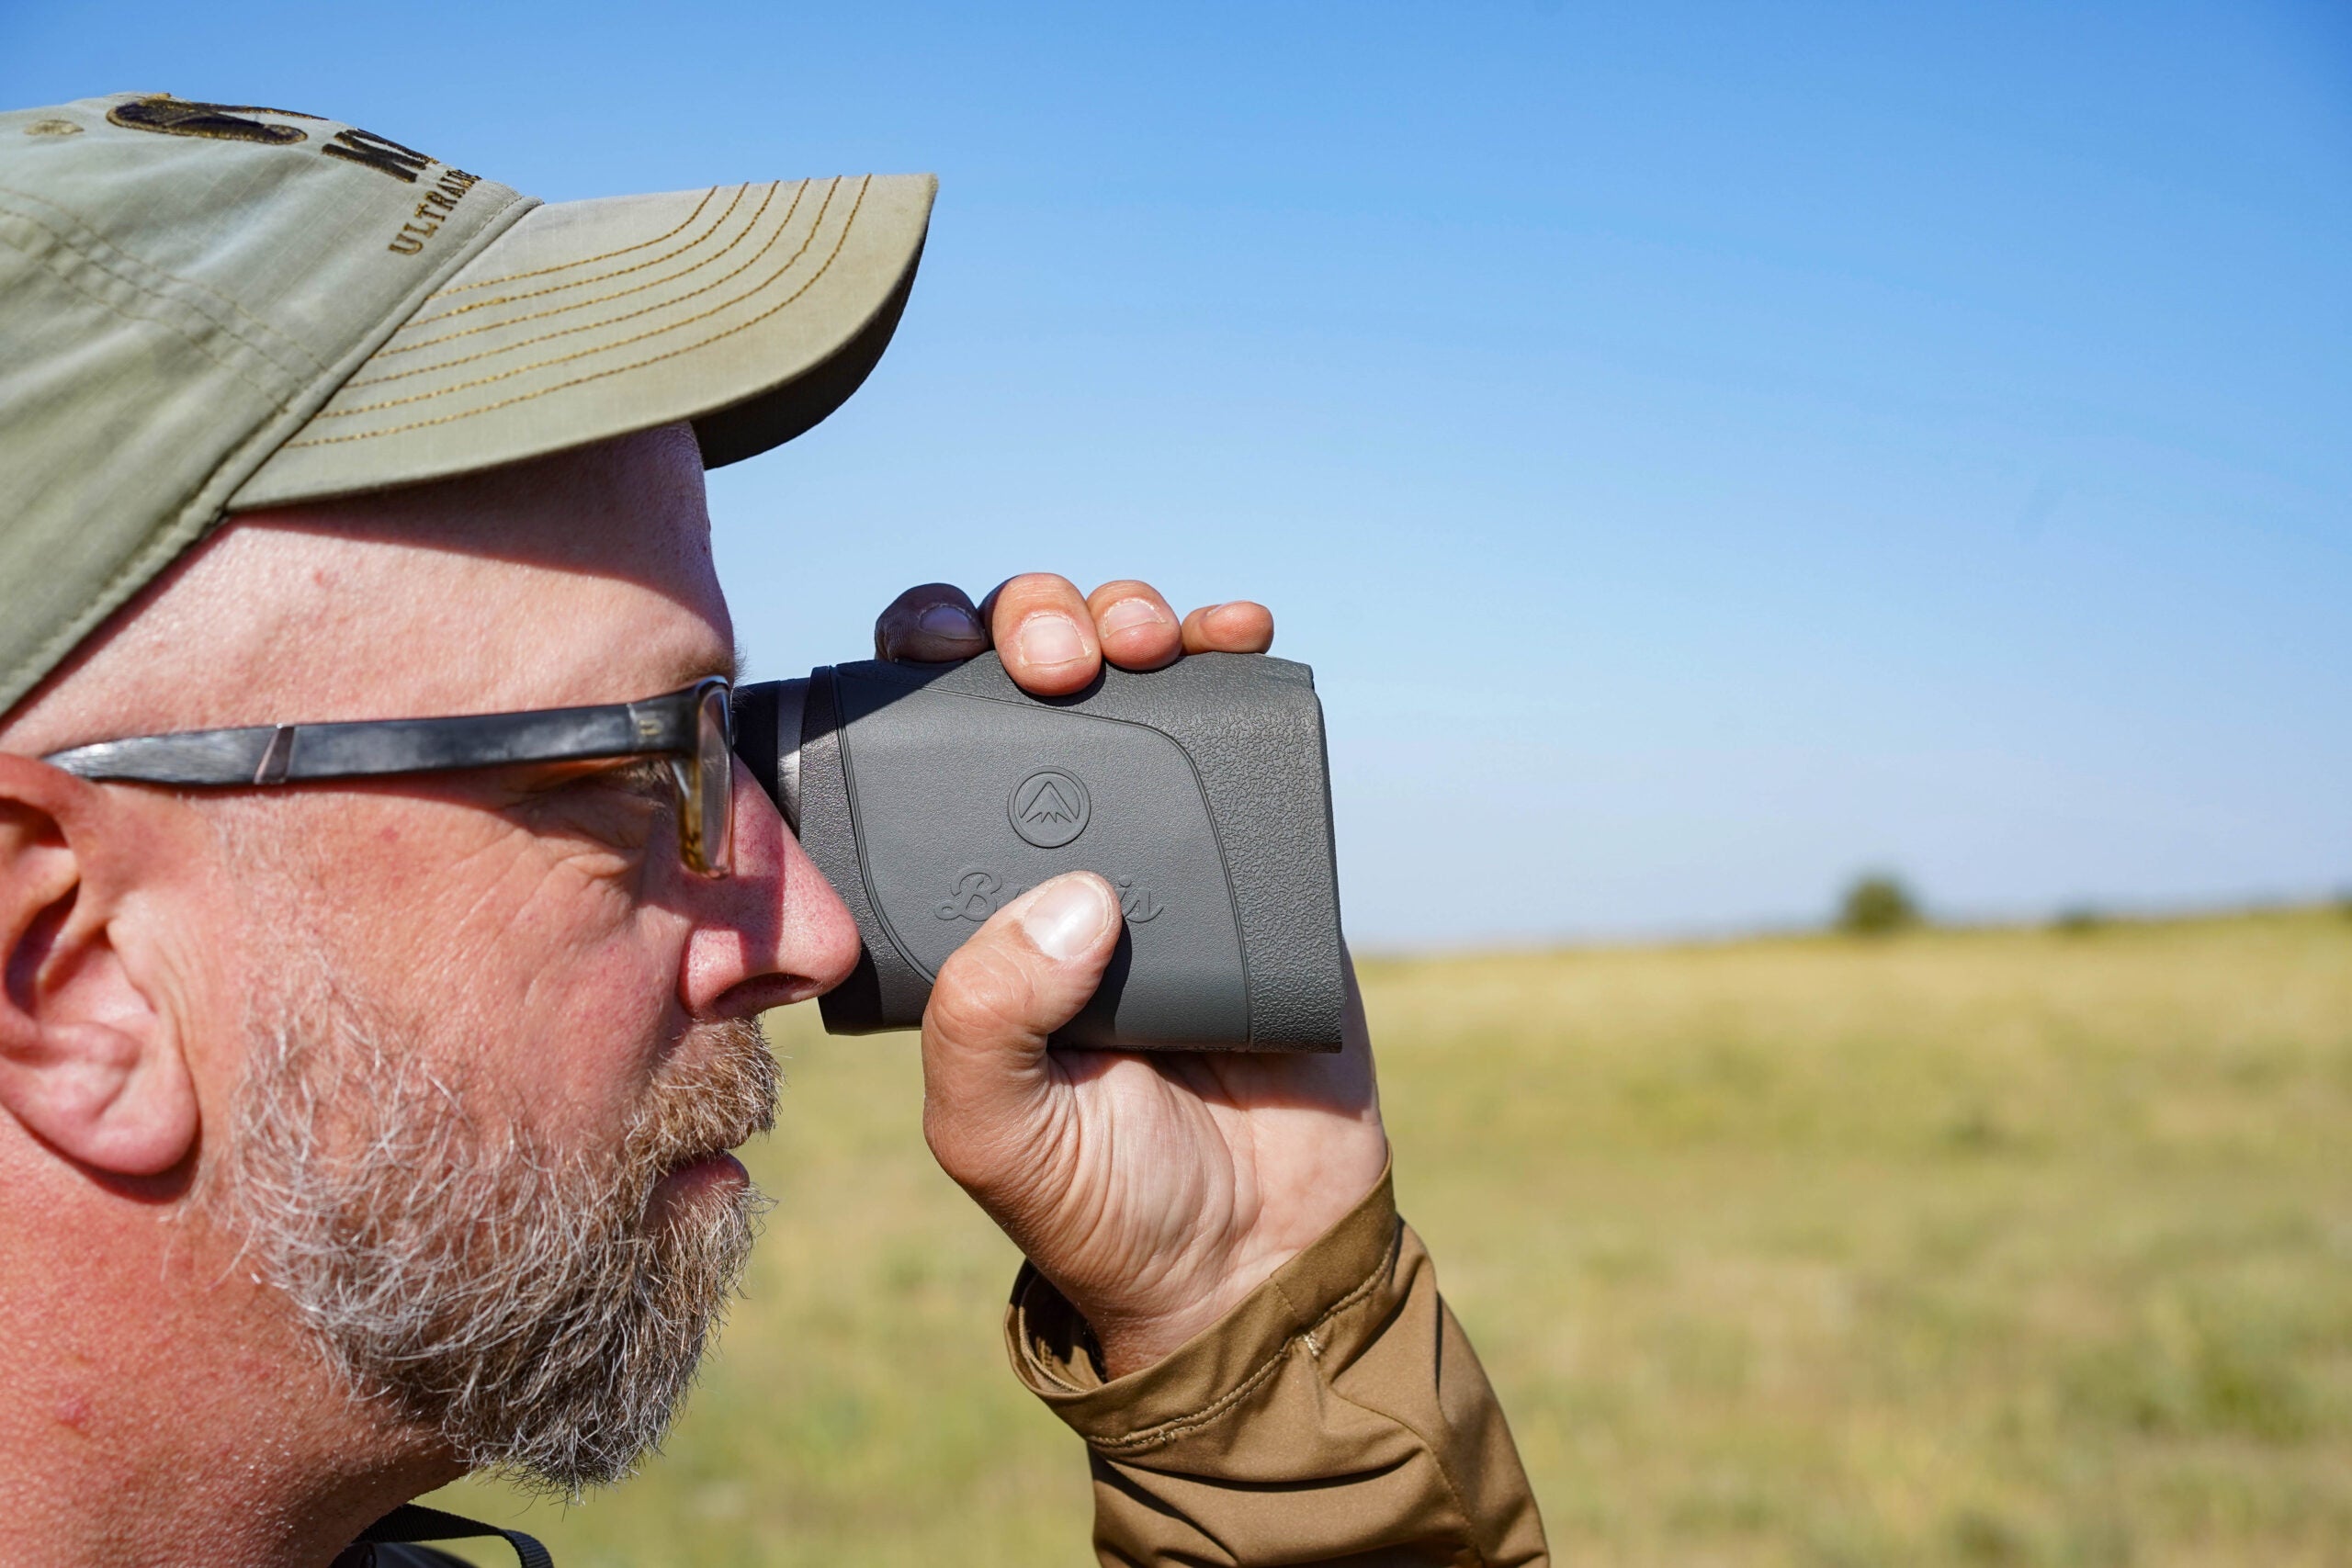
(410, 1523)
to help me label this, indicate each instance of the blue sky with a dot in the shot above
(1705, 450)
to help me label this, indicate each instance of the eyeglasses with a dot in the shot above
(693, 728)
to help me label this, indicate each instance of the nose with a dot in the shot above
(772, 933)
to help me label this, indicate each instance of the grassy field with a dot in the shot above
(1973, 1247)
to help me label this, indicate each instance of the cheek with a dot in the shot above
(556, 986)
(581, 1047)
(575, 1003)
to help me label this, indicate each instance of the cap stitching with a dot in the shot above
(275, 398)
(295, 343)
(784, 227)
(717, 223)
(597, 300)
(610, 321)
(99, 240)
(603, 348)
(815, 226)
(580, 261)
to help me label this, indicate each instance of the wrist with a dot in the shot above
(1145, 1381)
(1130, 1335)
(1132, 1345)
(1133, 1329)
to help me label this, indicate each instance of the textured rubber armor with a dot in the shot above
(931, 796)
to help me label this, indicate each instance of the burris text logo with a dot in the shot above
(979, 893)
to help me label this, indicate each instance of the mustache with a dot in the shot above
(717, 1092)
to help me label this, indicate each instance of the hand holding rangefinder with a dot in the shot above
(932, 795)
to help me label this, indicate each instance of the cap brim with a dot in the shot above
(752, 310)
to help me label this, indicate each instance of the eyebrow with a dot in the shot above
(686, 672)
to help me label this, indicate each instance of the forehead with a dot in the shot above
(581, 577)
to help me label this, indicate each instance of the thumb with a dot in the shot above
(1023, 975)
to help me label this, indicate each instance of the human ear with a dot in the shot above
(89, 1064)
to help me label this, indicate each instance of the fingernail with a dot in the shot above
(1129, 613)
(949, 621)
(1051, 639)
(1067, 916)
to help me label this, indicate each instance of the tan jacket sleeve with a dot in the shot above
(1337, 1416)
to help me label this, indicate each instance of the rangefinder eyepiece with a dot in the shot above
(931, 796)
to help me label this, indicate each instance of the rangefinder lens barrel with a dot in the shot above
(767, 736)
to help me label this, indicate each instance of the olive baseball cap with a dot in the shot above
(207, 308)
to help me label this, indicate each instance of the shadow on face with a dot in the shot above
(582, 577)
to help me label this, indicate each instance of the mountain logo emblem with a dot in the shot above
(1049, 809)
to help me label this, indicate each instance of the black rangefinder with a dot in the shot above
(932, 795)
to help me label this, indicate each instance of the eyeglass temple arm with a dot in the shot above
(288, 753)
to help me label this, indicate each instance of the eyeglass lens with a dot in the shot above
(711, 805)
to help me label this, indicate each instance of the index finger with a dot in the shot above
(931, 624)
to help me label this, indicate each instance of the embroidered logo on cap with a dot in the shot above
(169, 115)
(221, 123)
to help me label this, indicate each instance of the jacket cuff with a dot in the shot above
(1318, 1304)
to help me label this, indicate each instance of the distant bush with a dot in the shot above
(2080, 920)
(1877, 905)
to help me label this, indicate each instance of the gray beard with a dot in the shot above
(523, 1305)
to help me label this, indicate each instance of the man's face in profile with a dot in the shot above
(493, 1038)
